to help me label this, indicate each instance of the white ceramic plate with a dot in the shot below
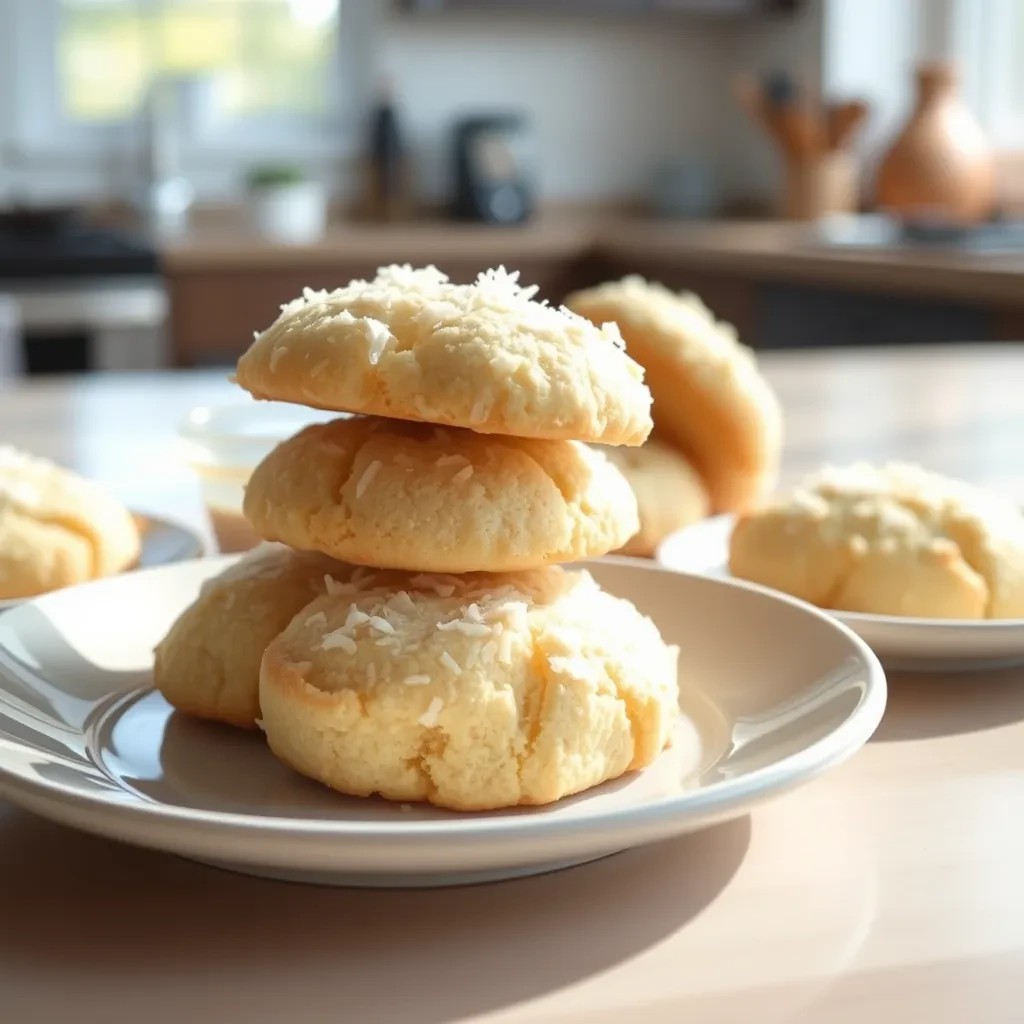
(163, 542)
(774, 693)
(911, 645)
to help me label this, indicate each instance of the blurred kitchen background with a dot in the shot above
(822, 172)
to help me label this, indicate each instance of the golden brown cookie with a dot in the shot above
(669, 493)
(411, 345)
(894, 540)
(469, 692)
(208, 664)
(414, 496)
(710, 399)
(57, 528)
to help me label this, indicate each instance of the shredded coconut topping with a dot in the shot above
(463, 475)
(417, 680)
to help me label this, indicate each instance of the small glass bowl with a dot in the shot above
(224, 443)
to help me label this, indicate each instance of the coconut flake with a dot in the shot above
(429, 717)
(380, 624)
(338, 639)
(378, 337)
(468, 628)
(417, 680)
(367, 478)
(355, 618)
(336, 588)
(450, 663)
(425, 581)
(401, 604)
(463, 475)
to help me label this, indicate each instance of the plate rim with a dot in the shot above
(915, 622)
(719, 798)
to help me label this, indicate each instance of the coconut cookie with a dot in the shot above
(669, 493)
(414, 496)
(57, 528)
(710, 399)
(894, 540)
(208, 664)
(471, 693)
(412, 345)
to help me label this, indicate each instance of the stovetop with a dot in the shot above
(30, 252)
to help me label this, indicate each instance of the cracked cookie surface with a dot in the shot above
(412, 345)
(890, 540)
(415, 496)
(469, 692)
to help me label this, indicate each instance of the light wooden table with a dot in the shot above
(892, 889)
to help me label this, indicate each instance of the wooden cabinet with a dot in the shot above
(779, 290)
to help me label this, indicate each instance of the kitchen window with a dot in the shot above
(986, 39)
(996, 59)
(245, 75)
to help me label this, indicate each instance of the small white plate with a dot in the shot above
(774, 692)
(906, 644)
(162, 542)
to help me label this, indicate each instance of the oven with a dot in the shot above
(77, 297)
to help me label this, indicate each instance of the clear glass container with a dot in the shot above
(224, 443)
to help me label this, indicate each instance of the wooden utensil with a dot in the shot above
(841, 122)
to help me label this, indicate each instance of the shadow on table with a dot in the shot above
(176, 941)
(921, 706)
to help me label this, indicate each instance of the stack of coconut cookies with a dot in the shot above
(408, 631)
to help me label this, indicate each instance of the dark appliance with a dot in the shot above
(493, 180)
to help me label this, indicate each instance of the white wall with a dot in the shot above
(607, 99)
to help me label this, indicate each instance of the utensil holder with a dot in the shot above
(818, 184)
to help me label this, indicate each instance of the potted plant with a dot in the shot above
(286, 205)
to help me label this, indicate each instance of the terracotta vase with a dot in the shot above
(940, 168)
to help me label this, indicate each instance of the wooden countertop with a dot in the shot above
(768, 250)
(888, 889)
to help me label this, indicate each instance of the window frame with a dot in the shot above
(38, 127)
